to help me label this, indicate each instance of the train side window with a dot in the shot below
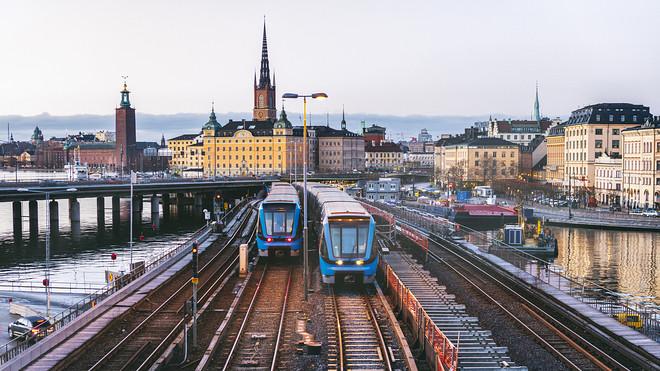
(363, 234)
(335, 239)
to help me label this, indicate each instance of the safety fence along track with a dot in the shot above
(254, 336)
(133, 342)
(359, 334)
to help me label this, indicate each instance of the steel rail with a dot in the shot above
(540, 311)
(281, 326)
(228, 243)
(379, 333)
(340, 345)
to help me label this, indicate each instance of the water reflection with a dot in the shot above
(621, 261)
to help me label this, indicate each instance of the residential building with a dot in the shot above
(592, 131)
(641, 165)
(608, 179)
(424, 136)
(531, 156)
(479, 161)
(554, 169)
(520, 132)
(339, 151)
(186, 151)
(383, 156)
(373, 134)
(385, 189)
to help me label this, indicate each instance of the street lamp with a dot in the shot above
(305, 158)
(47, 278)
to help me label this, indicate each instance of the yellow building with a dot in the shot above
(479, 160)
(641, 165)
(185, 154)
(592, 131)
(554, 169)
(245, 148)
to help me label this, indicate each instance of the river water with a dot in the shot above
(80, 257)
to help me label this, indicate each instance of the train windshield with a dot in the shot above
(279, 219)
(349, 239)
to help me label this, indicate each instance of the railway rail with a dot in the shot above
(359, 335)
(134, 343)
(253, 339)
(570, 347)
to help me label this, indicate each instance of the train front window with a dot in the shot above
(279, 219)
(349, 239)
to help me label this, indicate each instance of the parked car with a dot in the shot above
(615, 207)
(30, 326)
(636, 212)
(650, 212)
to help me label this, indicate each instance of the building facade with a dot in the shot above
(554, 169)
(608, 180)
(520, 132)
(479, 161)
(641, 165)
(383, 156)
(592, 131)
(383, 189)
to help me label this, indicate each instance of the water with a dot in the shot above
(622, 261)
(80, 256)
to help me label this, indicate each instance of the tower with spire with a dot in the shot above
(537, 108)
(125, 132)
(264, 90)
(343, 119)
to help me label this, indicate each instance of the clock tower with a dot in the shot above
(264, 91)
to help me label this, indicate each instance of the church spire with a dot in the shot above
(264, 77)
(343, 118)
(125, 102)
(537, 109)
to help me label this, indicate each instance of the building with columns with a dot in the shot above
(608, 179)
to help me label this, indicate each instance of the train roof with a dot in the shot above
(281, 193)
(336, 202)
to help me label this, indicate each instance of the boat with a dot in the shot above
(483, 217)
(530, 238)
(76, 171)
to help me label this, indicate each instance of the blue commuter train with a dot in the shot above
(346, 235)
(280, 229)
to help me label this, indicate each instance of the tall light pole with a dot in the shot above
(47, 199)
(305, 158)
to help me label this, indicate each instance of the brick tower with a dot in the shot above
(125, 133)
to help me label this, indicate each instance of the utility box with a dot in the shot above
(243, 259)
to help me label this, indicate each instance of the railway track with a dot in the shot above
(254, 337)
(572, 349)
(358, 338)
(133, 343)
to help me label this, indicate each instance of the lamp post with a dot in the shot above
(47, 278)
(305, 158)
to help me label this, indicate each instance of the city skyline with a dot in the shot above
(393, 60)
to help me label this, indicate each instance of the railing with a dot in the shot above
(446, 353)
(18, 345)
(58, 287)
(609, 302)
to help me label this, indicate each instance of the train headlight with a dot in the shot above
(269, 239)
(340, 262)
(359, 262)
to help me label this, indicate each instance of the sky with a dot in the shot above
(402, 58)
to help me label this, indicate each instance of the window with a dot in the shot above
(279, 220)
(623, 118)
(597, 117)
(598, 154)
(599, 131)
(599, 143)
(615, 144)
(476, 163)
(616, 131)
(349, 240)
(494, 154)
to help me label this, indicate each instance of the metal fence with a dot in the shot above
(636, 312)
(13, 348)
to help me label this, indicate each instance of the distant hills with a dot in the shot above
(151, 126)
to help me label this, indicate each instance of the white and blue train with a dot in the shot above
(280, 229)
(346, 235)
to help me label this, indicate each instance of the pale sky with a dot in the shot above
(380, 57)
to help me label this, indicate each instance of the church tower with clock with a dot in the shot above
(264, 91)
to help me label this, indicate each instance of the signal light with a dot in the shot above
(45, 282)
(113, 256)
(289, 239)
(269, 239)
(194, 248)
